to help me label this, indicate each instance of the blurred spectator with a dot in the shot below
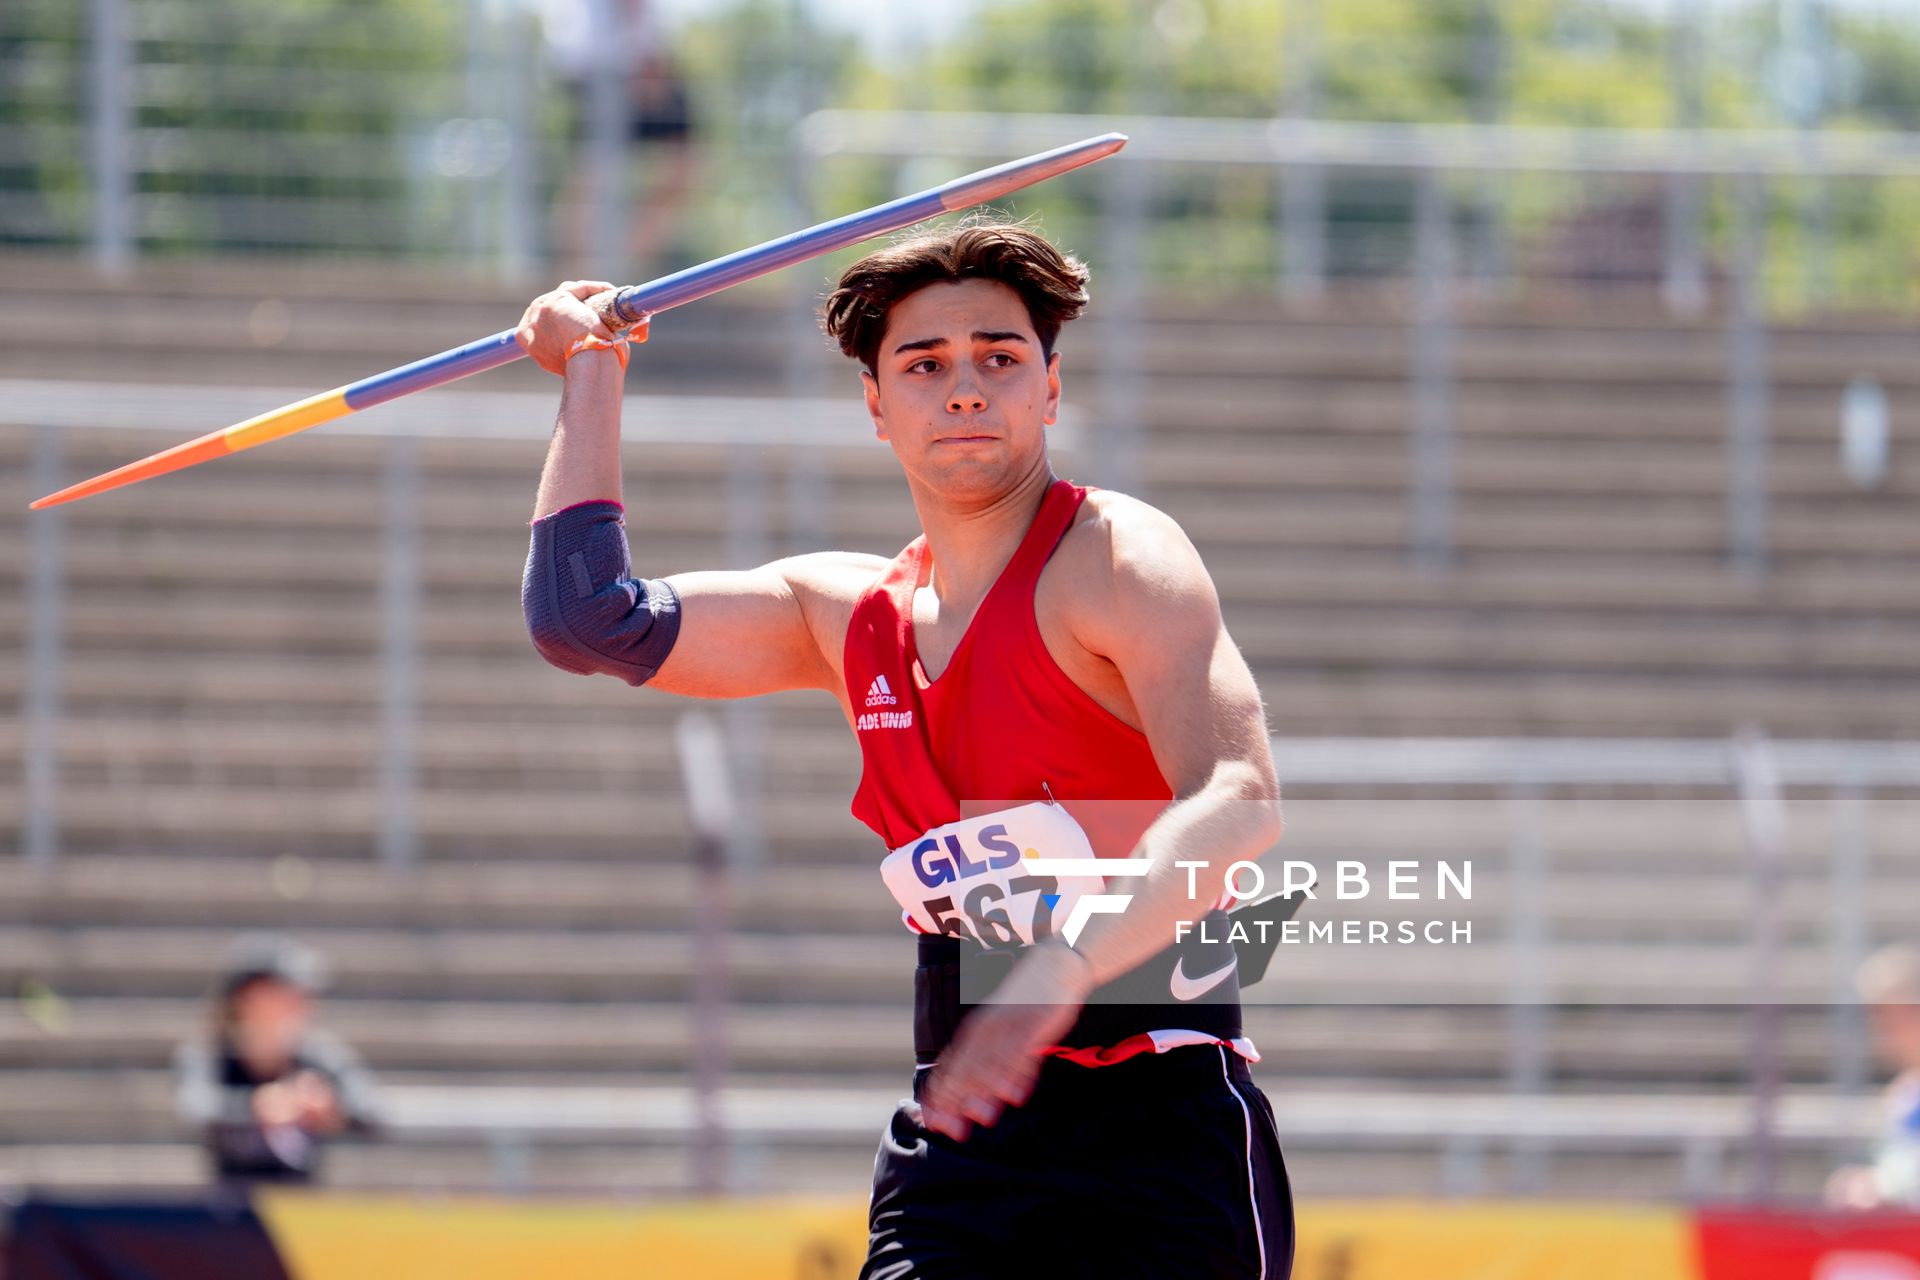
(657, 129)
(1889, 985)
(265, 1087)
(1616, 240)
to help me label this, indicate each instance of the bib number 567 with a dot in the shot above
(983, 913)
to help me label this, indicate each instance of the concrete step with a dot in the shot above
(1312, 700)
(330, 330)
(497, 963)
(532, 892)
(1588, 1047)
(205, 622)
(1698, 958)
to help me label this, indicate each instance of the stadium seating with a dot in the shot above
(221, 719)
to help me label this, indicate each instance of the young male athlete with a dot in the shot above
(1042, 674)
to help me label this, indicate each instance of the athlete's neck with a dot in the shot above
(971, 545)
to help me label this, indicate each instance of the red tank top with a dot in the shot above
(1003, 725)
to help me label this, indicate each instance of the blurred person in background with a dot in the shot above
(1889, 985)
(264, 1086)
(656, 131)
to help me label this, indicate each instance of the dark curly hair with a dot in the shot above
(1052, 284)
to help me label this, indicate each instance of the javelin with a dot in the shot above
(628, 306)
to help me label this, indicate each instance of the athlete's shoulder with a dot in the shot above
(1132, 546)
(827, 585)
(830, 578)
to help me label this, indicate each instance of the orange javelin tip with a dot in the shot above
(207, 447)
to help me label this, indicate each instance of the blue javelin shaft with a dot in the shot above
(636, 302)
(628, 306)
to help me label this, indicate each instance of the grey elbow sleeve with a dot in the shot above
(584, 610)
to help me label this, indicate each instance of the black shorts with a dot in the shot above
(1163, 1165)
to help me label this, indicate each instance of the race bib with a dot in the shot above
(967, 878)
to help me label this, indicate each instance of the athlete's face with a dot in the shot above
(961, 390)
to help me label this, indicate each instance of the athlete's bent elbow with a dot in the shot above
(1255, 793)
(585, 611)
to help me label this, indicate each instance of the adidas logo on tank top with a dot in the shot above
(879, 694)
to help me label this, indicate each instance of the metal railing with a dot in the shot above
(1755, 775)
(1702, 1131)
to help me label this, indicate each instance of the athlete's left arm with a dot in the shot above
(1151, 611)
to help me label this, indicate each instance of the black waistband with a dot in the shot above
(954, 974)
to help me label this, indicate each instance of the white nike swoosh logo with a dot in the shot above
(1185, 988)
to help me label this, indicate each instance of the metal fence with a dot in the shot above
(1773, 788)
(467, 131)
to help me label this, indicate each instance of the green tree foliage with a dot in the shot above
(1579, 63)
(308, 115)
(42, 154)
(304, 125)
(292, 125)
